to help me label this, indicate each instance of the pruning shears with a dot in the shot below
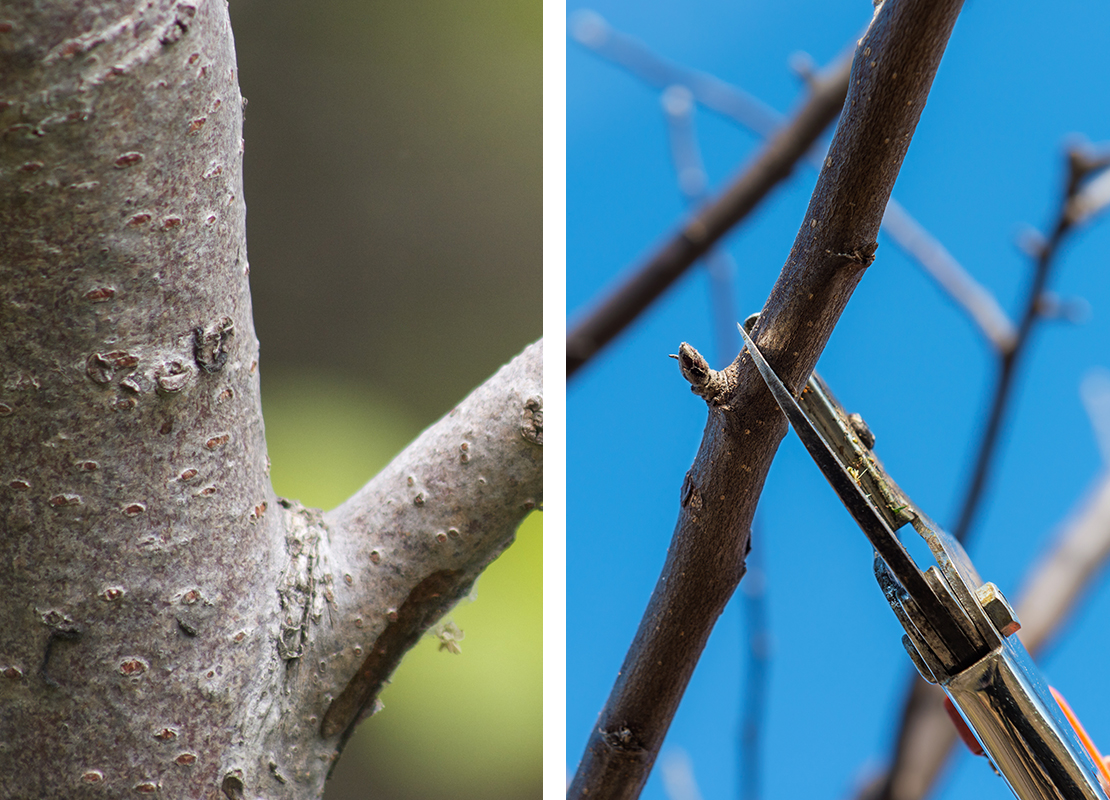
(958, 628)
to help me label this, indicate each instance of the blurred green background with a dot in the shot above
(393, 189)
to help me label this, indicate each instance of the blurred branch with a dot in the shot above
(625, 302)
(1072, 211)
(1095, 392)
(979, 304)
(590, 30)
(755, 689)
(679, 782)
(834, 246)
(1092, 196)
(1050, 594)
(706, 227)
(678, 105)
(1055, 584)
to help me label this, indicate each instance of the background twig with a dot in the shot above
(758, 659)
(710, 223)
(678, 105)
(978, 303)
(1079, 168)
(591, 30)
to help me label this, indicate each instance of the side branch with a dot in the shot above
(891, 74)
(1079, 169)
(411, 543)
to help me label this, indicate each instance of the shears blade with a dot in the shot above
(841, 476)
(909, 582)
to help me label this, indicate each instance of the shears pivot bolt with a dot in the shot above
(998, 609)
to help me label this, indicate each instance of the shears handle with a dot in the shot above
(973, 745)
(1032, 738)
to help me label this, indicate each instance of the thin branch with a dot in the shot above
(1052, 589)
(1051, 592)
(755, 690)
(706, 227)
(678, 104)
(891, 75)
(1080, 168)
(591, 30)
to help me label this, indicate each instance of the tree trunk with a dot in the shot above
(168, 626)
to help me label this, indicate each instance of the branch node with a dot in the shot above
(862, 257)
(531, 420)
(1083, 159)
(233, 786)
(210, 345)
(690, 496)
(621, 740)
(711, 385)
(694, 367)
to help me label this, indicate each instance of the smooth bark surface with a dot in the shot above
(168, 626)
(892, 72)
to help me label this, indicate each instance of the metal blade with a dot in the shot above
(859, 504)
(823, 453)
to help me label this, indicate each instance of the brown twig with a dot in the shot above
(706, 227)
(890, 79)
(1080, 167)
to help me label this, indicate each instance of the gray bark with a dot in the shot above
(168, 626)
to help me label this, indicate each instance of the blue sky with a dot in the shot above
(1018, 81)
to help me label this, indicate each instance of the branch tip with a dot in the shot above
(694, 367)
(1083, 159)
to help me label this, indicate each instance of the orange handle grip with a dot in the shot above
(1081, 732)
